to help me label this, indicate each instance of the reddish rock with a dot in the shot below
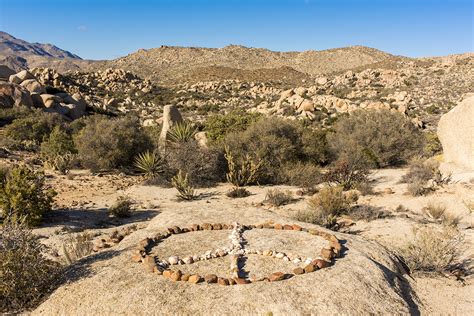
(149, 263)
(287, 227)
(298, 271)
(278, 226)
(210, 278)
(231, 281)
(327, 254)
(137, 257)
(206, 226)
(336, 247)
(241, 281)
(321, 263)
(167, 273)
(310, 268)
(297, 227)
(176, 276)
(276, 276)
(223, 281)
(157, 270)
(185, 277)
(195, 278)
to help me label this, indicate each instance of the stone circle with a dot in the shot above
(236, 251)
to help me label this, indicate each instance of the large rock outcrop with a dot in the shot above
(171, 117)
(365, 280)
(456, 133)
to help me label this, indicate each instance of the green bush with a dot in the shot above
(204, 167)
(33, 128)
(243, 172)
(26, 274)
(383, 138)
(106, 143)
(277, 142)
(433, 145)
(181, 133)
(58, 149)
(7, 116)
(218, 126)
(23, 196)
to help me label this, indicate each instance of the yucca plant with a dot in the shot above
(181, 133)
(243, 173)
(149, 163)
(181, 183)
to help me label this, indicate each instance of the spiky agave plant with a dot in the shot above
(181, 183)
(149, 163)
(181, 133)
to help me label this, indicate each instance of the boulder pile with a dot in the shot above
(24, 89)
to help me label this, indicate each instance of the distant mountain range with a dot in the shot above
(172, 64)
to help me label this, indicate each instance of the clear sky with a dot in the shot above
(104, 29)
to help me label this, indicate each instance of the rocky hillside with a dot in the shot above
(170, 64)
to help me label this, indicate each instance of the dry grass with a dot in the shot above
(77, 247)
(431, 250)
(25, 274)
(439, 213)
(277, 197)
(238, 193)
(122, 207)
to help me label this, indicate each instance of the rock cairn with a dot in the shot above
(236, 251)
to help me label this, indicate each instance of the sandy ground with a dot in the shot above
(366, 279)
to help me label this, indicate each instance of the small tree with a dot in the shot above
(23, 196)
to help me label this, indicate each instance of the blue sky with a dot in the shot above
(96, 29)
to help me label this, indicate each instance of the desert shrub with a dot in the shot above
(348, 173)
(439, 213)
(243, 172)
(26, 275)
(304, 175)
(424, 176)
(432, 145)
(185, 190)
(7, 116)
(274, 141)
(382, 138)
(106, 143)
(150, 164)
(24, 196)
(431, 250)
(277, 197)
(218, 126)
(238, 193)
(76, 247)
(153, 133)
(181, 133)
(33, 128)
(204, 167)
(121, 208)
(58, 150)
(315, 145)
(330, 203)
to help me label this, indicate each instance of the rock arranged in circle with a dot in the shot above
(236, 251)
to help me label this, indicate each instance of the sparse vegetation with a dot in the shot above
(423, 177)
(24, 196)
(76, 247)
(185, 190)
(326, 206)
(26, 274)
(121, 208)
(381, 138)
(304, 175)
(58, 150)
(238, 192)
(431, 250)
(349, 174)
(110, 143)
(278, 197)
(242, 173)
